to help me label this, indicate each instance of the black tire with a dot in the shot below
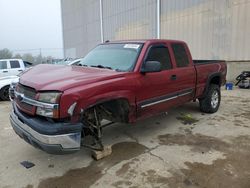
(211, 102)
(4, 93)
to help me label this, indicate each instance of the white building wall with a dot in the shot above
(213, 29)
(81, 26)
(129, 19)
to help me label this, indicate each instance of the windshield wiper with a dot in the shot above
(101, 66)
(119, 70)
(81, 65)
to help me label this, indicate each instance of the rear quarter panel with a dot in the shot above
(205, 71)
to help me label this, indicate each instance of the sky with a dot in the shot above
(26, 26)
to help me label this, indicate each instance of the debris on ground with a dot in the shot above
(97, 155)
(51, 166)
(27, 164)
(187, 119)
(90, 174)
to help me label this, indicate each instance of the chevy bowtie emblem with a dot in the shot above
(20, 97)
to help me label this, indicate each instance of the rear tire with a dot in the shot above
(4, 93)
(211, 102)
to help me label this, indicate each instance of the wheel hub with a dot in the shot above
(215, 99)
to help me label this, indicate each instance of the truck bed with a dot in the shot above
(204, 68)
(198, 62)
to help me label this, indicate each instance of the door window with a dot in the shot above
(160, 54)
(3, 64)
(180, 55)
(14, 64)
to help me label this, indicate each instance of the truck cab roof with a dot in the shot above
(145, 41)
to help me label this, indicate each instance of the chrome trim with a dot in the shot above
(67, 141)
(72, 108)
(35, 102)
(157, 102)
(12, 90)
(183, 94)
(167, 99)
(215, 99)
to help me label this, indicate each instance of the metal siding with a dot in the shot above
(81, 26)
(240, 30)
(129, 19)
(188, 21)
(213, 29)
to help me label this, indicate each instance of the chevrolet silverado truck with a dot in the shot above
(56, 107)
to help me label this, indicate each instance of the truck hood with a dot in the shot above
(62, 77)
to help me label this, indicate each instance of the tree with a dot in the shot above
(49, 59)
(5, 54)
(28, 57)
(39, 59)
(18, 56)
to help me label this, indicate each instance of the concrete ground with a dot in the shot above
(184, 148)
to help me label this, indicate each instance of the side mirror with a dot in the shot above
(151, 66)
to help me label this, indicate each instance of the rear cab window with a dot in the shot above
(14, 64)
(161, 54)
(180, 54)
(3, 65)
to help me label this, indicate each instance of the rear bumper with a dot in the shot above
(53, 138)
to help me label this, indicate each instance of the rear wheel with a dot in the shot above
(211, 102)
(4, 93)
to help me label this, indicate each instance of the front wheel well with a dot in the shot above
(115, 110)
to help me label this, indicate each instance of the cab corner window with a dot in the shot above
(3, 64)
(180, 55)
(14, 64)
(160, 54)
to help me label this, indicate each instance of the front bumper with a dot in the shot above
(53, 138)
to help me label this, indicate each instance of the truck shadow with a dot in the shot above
(146, 130)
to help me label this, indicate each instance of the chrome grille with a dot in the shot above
(26, 107)
(29, 93)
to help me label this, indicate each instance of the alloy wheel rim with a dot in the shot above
(215, 99)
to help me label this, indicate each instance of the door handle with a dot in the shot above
(5, 71)
(20, 70)
(173, 77)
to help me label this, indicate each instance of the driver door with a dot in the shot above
(158, 89)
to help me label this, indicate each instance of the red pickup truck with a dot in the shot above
(56, 106)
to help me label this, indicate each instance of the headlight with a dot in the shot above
(47, 97)
(52, 98)
(45, 112)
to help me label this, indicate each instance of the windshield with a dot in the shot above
(119, 57)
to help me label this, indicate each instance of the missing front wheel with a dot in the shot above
(93, 130)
